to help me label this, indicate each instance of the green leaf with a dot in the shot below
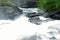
(48, 4)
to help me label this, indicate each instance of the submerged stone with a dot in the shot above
(35, 20)
(34, 37)
(53, 38)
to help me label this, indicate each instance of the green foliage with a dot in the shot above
(49, 4)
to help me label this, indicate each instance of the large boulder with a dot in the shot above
(9, 12)
(55, 14)
(25, 3)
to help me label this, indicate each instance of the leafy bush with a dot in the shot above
(49, 4)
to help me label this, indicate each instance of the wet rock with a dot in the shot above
(55, 15)
(35, 20)
(30, 5)
(25, 3)
(31, 15)
(9, 12)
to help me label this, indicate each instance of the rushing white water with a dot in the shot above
(15, 30)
